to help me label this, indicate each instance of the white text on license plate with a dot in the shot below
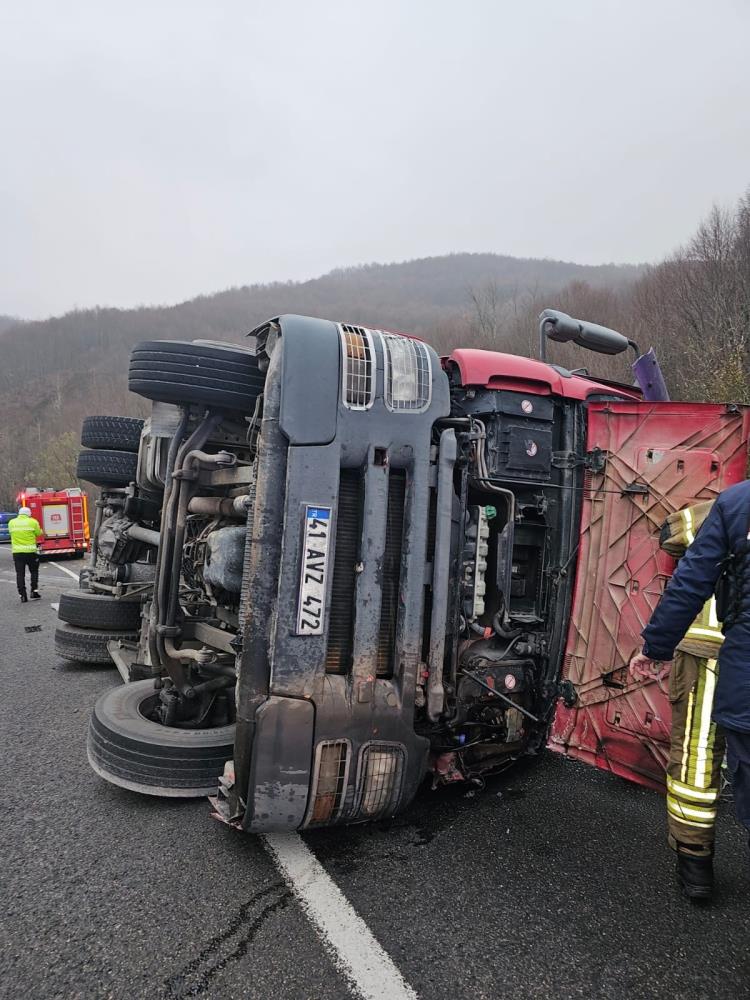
(312, 586)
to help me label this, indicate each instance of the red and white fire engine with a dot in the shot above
(63, 517)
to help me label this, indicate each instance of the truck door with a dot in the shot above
(55, 520)
(655, 458)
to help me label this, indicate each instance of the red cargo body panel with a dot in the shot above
(660, 457)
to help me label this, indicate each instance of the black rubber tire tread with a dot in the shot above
(88, 645)
(107, 467)
(155, 358)
(142, 369)
(169, 392)
(215, 381)
(99, 611)
(225, 378)
(221, 352)
(120, 433)
(129, 750)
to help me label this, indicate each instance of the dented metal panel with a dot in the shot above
(280, 767)
(659, 458)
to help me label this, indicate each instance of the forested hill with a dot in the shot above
(414, 296)
(53, 372)
(6, 322)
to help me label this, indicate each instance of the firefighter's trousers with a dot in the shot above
(696, 754)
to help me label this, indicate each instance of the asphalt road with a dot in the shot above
(553, 882)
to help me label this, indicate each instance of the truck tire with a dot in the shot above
(127, 749)
(121, 433)
(99, 611)
(88, 645)
(107, 467)
(182, 371)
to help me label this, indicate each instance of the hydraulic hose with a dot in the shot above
(500, 628)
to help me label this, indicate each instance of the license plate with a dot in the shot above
(312, 585)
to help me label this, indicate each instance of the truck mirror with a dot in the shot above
(560, 327)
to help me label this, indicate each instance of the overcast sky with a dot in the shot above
(152, 151)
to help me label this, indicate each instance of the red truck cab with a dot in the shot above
(642, 460)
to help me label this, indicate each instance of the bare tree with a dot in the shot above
(695, 308)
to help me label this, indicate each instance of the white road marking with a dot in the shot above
(63, 569)
(362, 961)
(54, 607)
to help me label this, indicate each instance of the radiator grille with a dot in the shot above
(380, 777)
(330, 777)
(346, 554)
(358, 368)
(394, 537)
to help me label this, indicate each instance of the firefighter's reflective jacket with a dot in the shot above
(704, 637)
(723, 535)
(24, 532)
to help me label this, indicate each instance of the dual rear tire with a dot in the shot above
(220, 376)
(84, 645)
(112, 461)
(99, 611)
(89, 621)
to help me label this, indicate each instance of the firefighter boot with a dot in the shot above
(24, 597)
(695, 873)
(35, 595)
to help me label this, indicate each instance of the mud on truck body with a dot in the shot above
(373, 566)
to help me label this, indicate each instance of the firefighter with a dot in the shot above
(24, 532)
(710, 682)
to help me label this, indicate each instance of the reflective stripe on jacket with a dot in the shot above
(680, 528)
(704, 637)
(723, 533)
(24, 532)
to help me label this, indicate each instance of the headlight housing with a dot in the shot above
(408, 374)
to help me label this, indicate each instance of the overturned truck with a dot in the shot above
(356, 566)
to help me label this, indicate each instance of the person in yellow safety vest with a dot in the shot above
(697, 744)
(24, 532)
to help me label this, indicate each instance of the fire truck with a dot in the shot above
(63, 517)
(341, 566)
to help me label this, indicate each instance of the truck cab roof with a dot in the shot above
(495, 370)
